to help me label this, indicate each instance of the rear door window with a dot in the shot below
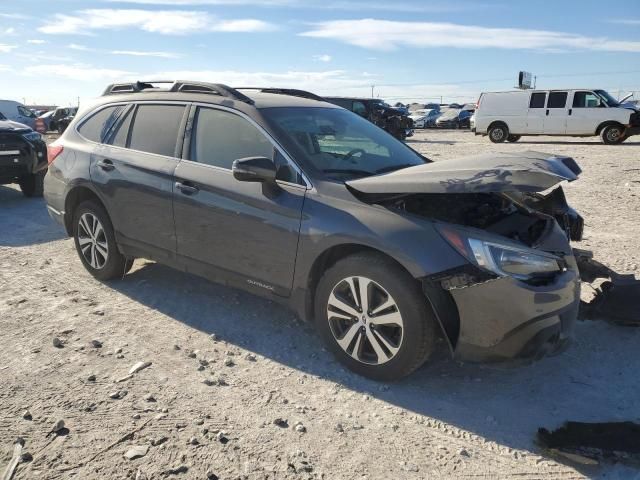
(538, 100)
(359, 108)
(557, 100)
(99, 124)
(155, 129)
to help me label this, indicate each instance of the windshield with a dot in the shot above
(339, 143)
(608, 99)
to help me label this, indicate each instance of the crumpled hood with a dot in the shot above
(489, 173)
(8, 126)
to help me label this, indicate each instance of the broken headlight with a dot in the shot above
(501, 258)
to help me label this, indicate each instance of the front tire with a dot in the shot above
(612, 134)
(498, 133)
(96, 243)
(33, 185)
(374, 317)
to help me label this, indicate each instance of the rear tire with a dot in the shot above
(498, 133)
(513, 138)
(33, 185)
(380, 342)
(96, 243)
(612, 134)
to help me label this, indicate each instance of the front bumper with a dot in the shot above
(19, 157)
(504, 318)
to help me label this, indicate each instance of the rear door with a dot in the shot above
(536, 113)
(585, 114)
(240, 232)
(133, 170)
(555, 121)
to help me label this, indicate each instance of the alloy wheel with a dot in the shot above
(497, 134)
(365, 320)
(613, 135)
(92, 240)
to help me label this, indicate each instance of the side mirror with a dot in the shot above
(254, 169)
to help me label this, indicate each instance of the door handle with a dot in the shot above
(547, 112)
(570, 110)
(106, 164)
(187, 188)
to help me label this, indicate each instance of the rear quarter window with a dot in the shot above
(96, 127)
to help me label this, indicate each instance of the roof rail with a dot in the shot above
(286, 91)
(178, 86)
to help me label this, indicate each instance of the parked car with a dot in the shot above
(23, 157)
(56, 120)
(312, 206)
(424, 118)
(17, 112)
(396, 121)
(454, 118)
(64, 122)
(506, 116)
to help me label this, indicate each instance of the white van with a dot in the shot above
(18, 113)
(580, 113)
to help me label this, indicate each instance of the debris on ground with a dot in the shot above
(15, 459)
(137, 452)
(57, 342)
(139, 366)
(594, 443)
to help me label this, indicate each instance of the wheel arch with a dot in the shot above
(75, 197)
(608, 123)
(497, 123)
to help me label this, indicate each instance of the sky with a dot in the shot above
(64, 51)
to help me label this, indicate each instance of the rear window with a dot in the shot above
(155, 129)
(97, 126)
(538, 99)
(557, 100)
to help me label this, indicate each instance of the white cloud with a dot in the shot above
(79, 48)
(14, 16)
(322, 58)
(4, 48)
(627, 21)
(76, 72)
(5, 68)
(138, 53)
(388, 35)
(37, 42)
(9, 31)
(170, 22)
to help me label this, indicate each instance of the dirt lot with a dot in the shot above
(260, 364)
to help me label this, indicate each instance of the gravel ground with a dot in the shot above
(238, 388)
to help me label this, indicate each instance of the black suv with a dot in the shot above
(394, 120)
(289, 197)
(23, 157)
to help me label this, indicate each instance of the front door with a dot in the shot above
(555, 121)
(244, 233)
(585, 114)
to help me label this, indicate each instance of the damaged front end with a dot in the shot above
(519, 294)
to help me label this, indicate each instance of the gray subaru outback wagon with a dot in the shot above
(284, 195)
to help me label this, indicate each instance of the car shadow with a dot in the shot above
(594, 380)
(25, 221)
(558, 142)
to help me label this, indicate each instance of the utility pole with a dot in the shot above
(372, 90)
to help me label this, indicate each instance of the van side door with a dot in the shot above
(536, 112)
(586, 113)
(555, 120)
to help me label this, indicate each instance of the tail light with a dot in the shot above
(52, 152)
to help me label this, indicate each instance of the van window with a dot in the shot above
(538, 100)
(99, 124)
(557, 100)
(155, 129)
(25, 112)
(220, 137)
(585, 100)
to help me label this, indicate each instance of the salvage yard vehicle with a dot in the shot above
(394, 120)
(23, 157)
(424, 118)
(454, 118)
(295, 199)
(17, 112)
(506, 116)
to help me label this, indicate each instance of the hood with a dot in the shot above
(491, 173)
(8, 126)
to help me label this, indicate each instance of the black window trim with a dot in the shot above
(189, 129)
(91, 113)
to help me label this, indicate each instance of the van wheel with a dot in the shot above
(96, 243)
(498, 133)
(513, 138)
(612, 134)
(33, 185)
(374, 318)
